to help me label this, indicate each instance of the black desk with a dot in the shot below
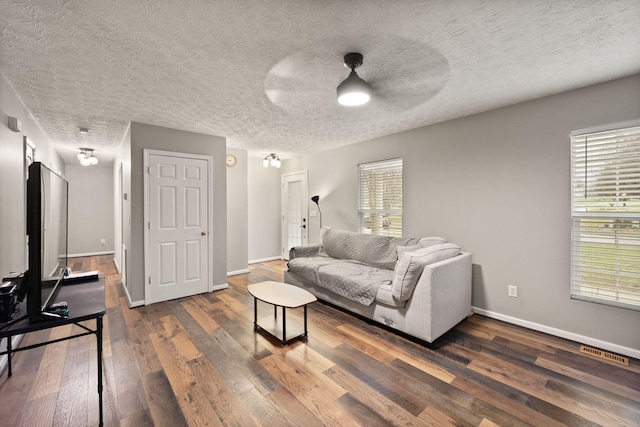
(86, 301)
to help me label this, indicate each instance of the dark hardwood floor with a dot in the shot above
(197, 361)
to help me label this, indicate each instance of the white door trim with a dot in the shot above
(209, 159)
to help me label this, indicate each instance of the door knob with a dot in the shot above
(204, 233)
(303, 226)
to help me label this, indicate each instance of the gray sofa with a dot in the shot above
(421, 287)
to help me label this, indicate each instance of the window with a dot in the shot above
(605, 217)
(380, 197)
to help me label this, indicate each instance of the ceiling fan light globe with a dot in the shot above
(265, 162)
(354, 99)
(85, 161)
(353, 91)
(93, 160)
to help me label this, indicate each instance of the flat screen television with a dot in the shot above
(47, 229)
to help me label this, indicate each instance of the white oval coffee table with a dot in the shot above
(279, 295)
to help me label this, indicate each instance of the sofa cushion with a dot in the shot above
(351, 279)
(422, 243)
(377, 251)
(409, 267)
(385, 296)
(430, 241)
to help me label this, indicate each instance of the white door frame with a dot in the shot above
(209, 159)
(284, 235)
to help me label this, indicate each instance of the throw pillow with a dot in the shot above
(323, 232)
(430, 241)
(401, 250)
(409, 267)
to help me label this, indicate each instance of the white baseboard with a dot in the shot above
(115, 262)
(218, 287)
(130, 303)
(91, 254)
(235, 273)
(257, 261)
(626, 351)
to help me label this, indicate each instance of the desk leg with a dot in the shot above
(99, 337)
(9, 355)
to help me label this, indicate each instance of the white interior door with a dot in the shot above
(295, 207)
(178, 233)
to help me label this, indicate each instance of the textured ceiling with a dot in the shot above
(263, 73)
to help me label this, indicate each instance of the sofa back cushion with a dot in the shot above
(410, 265)
(378, 251)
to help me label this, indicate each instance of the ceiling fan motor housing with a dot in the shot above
(353, 60)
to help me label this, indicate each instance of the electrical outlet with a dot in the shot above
(513, 291)
(102, 242)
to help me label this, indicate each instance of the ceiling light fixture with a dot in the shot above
(86, 157)
(83, 131)
(353, 91)
(272, 160)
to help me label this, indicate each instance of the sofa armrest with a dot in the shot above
(441, 298)
(304, 251)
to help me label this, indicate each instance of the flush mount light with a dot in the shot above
(86, 157)
(272, 160)
(353, 91)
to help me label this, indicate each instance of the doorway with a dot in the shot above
(295, 211)
(177, 224)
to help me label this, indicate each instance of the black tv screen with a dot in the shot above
(47, 228)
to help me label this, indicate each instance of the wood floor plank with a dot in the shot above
(51, 368)
(376, 400)
(199, 315)
(163, 404)
(72, 404)
(194, 405)
(181, 339)
(220, 396)
(296, 413)
(39, 411)
(316, 393)
(395, 353)
(589, 378)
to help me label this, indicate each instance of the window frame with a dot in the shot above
(605, 220)
(383, 220)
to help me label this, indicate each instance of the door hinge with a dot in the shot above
(149, 279)
(149, 170)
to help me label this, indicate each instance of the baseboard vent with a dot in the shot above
(621, 360)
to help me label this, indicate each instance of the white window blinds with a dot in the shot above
(605, 217)
(380, 197)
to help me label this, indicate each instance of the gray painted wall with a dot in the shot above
(237, 208)
(12, 182)
(12, 175)
(159, 138)
(122, 208)
(264, 210)
(496, 183)
(90, 209)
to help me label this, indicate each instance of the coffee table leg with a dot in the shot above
(284, 326)
(255, 314)
(305, 336)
